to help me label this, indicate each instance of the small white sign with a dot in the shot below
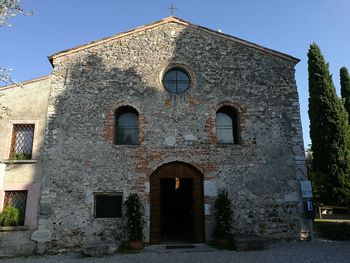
(306, 189)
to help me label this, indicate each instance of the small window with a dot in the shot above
(176, 80)
(108, 205)
(22, 141)
(227, 131)
(17, 199)
(126, 126)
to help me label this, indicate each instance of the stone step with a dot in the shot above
(249, 242)
(100, 249)
(178, 248)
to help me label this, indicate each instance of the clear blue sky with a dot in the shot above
(288, 26)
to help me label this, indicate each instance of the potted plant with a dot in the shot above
(21, 156)
(223, 219)
(10, 216)
(135, 221)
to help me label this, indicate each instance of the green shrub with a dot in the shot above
(332, 230)
(135, 217)
(223, 216)
(10, 216)
(21, 156)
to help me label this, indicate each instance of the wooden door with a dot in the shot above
(177, 170)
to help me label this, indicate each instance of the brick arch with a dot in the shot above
(133, 104)
(231, 104)
(177, 170)
(177, 159)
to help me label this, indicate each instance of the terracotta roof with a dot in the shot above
(173, 19)
(23, 82)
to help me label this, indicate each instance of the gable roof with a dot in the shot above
(22, 83)
(173, 19)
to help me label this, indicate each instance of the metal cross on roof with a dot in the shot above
(172, 8)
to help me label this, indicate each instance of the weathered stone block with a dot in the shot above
(170, 141)
(147, 187)
(249, 242)
(45, 210)
(207, 209)
(210, 188)
(146, 210)
(40, 248)
(100, 249)
(41, 236)
(292, 197)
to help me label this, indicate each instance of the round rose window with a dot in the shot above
(176, 80)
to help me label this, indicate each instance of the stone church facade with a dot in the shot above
(172, 111)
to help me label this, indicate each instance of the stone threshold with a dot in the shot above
(13, 228)
(18, 161)
(181, 248)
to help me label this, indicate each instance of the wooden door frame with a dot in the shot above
(179, 170)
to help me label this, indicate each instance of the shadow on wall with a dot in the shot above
(81, 159)
(90, 84)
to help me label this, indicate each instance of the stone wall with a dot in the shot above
(262, 173)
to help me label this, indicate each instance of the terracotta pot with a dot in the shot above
(222, 241)
(136, 245)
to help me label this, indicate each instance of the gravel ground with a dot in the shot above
(316, 251)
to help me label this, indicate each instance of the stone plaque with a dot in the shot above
(306, 189)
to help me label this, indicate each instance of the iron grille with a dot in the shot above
(108, 205)
(17, 199)
(22, 141)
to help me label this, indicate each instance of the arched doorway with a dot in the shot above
(177, 200)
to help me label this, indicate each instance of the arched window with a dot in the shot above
(127, 126)
(227, 125)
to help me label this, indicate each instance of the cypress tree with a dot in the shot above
(344, 82)
(329, 132)
(345, 89)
